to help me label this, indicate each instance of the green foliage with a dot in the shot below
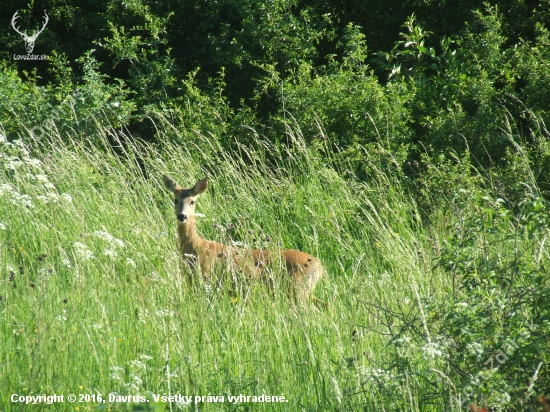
(498, 319)
(410, 54)
(152, 73)
(255, 62)
(34, 111)
(535, 74)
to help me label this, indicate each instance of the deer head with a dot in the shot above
(184, 202)
(29, 40)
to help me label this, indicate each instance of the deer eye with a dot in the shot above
(175, 201)
(192, 202)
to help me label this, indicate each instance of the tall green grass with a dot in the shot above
(94, 298)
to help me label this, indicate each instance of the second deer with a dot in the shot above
(303, 269)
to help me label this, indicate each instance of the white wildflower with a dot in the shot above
(49, 197)
(118, 242)
(372, 373)
(19, 143)
(100, 234)
(21, 200)
(199, 214)
(64, 258)
(145, 357)
(130, 262)
(137, 365)
(106, 236)
(6, 188)
(66, 198)
(49, 186)
(403, 341)
(24, 200)
(61, 318)
(78, 245)
(82, 251)
(13, 164)
(66, 262)
(78, 276)
(97, 326)
(116, 374)
(110, 253)
(131, 387)
(33, 162)
(41, 178)
(475, 349)
(3, 226)
(432, 350)
(164, 313)
(136, 380)
(2, 138)
(143, 319)
(45, 274)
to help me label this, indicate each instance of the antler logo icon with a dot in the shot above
(29, 40)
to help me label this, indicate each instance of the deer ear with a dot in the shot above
(170, 183)
(199, 187)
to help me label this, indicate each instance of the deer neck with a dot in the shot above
(190, 241)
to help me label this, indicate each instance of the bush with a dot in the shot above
(498, 313)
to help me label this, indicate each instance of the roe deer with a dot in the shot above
(303, 269)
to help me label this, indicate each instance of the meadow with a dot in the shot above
(94, 299)
(407, 150)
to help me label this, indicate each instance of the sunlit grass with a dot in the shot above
(94, 300)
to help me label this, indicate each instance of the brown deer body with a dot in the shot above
(303, 269)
